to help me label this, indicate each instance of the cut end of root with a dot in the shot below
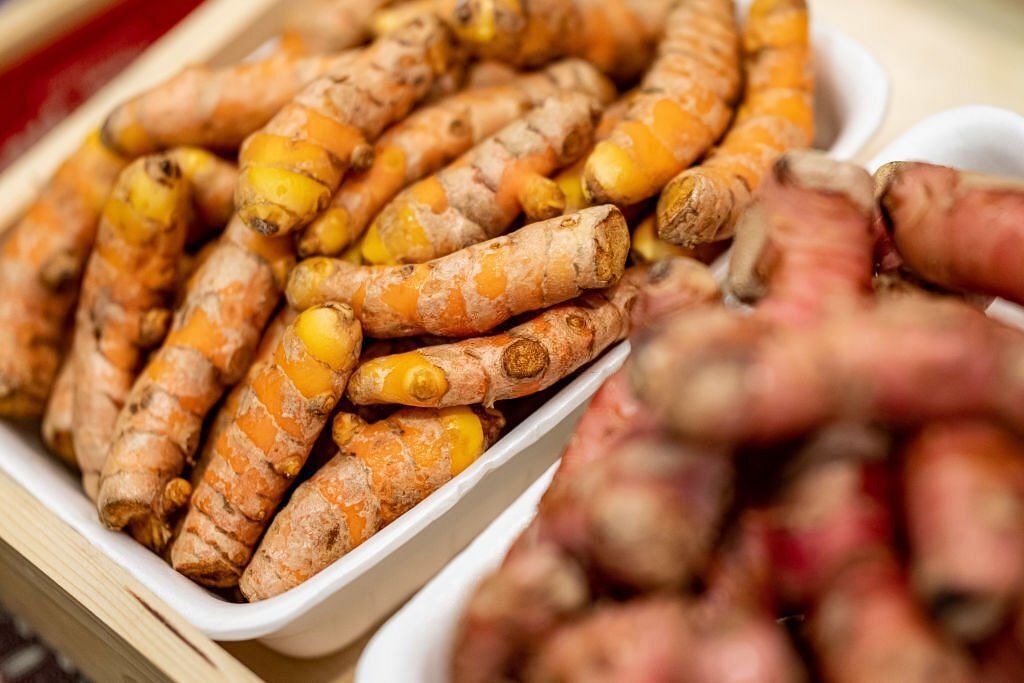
(176, 494)
(524, 358)
(306, 281)
(816, 170)
(425, 383)
(345, 427)
(118, 514)
(262, 226)
(329, 333)
(694, 210)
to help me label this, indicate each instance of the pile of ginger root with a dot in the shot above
(265, 309)
(825, 485)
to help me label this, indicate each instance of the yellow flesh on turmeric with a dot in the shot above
(382, 470)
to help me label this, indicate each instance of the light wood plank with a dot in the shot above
(939, 54)
(26, 25)
(219, 31)
(93, 611)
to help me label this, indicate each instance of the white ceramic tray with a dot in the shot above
(978, 138)
(364, 587)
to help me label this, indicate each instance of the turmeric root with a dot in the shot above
(475, 289)
(41, 263)
(325, 26)
(382, 470)
(529, 357)
(432, 137)
(212, 108)
(964, 498)
(667, 638)
(961, 241)
(126, 294)
(702, 204)
(618, 36)
(211, 182)
(682, 108)
(229, 406)
(807, 239)
(57, 420)
(279, 416)
(868, 628)
(647, 247)
(570, 179)
(909, 359)
(479, 196)
(212, 337)
(292, 166)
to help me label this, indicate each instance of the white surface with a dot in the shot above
(984, 139)
(345, 600)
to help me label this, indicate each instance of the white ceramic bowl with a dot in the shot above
(364, 587)
(984, 139)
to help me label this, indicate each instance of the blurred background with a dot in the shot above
(54, 54)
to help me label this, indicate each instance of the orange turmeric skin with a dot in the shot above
(57, 420)
(531, 356)
(212, 108)
(126, 294)
(480, 195)
(256, 458)
(617, 36)
(326, 26)
(212, 337)
(682, 107)
(383, 469)
(42, 260)
(477, 288)
(292, 166)
(702, 204)
(432, 137)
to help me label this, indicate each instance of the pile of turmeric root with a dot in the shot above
(266, 309)
(828, 485)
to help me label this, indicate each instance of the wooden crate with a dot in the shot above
(90, 609)
(76, 599)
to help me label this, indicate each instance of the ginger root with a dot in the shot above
(475, 289)
(479, 196)
(807, 241)
(257, 456)
(41, 263)
(668, 638)
(292, 166)
(909, 359)
(702, 204)
(683, 105)
(961, 242)
(531, 356)
(382, 470)
(867, 627)
(963, 490)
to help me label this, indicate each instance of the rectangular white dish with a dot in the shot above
(361, 589)
(978, 138)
